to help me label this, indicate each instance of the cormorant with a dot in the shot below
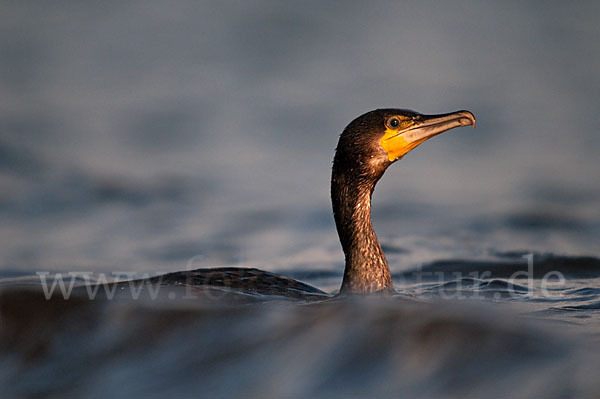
(366, 148)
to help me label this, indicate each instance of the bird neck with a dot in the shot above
(367, 270)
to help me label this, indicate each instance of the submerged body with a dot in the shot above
(243, 280)
(366, 148)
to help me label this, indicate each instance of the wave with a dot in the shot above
(336, 348)
(507, 265)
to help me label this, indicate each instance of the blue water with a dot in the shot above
(150, 138)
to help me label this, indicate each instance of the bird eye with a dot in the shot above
(393, 123)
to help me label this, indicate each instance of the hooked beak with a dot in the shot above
(432, 125)
(398, 143)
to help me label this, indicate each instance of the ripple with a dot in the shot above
(543, 264)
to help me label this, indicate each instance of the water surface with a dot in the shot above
(146, 138)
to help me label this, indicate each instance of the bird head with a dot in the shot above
(375, 140)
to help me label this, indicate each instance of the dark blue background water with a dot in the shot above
(146, 136)
(135, 136)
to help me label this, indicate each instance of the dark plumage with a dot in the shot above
(361, 158)
(358, 164)
(366, 148)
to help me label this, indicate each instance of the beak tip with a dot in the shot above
(469, 115)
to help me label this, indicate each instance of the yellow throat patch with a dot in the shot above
(397, 146)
